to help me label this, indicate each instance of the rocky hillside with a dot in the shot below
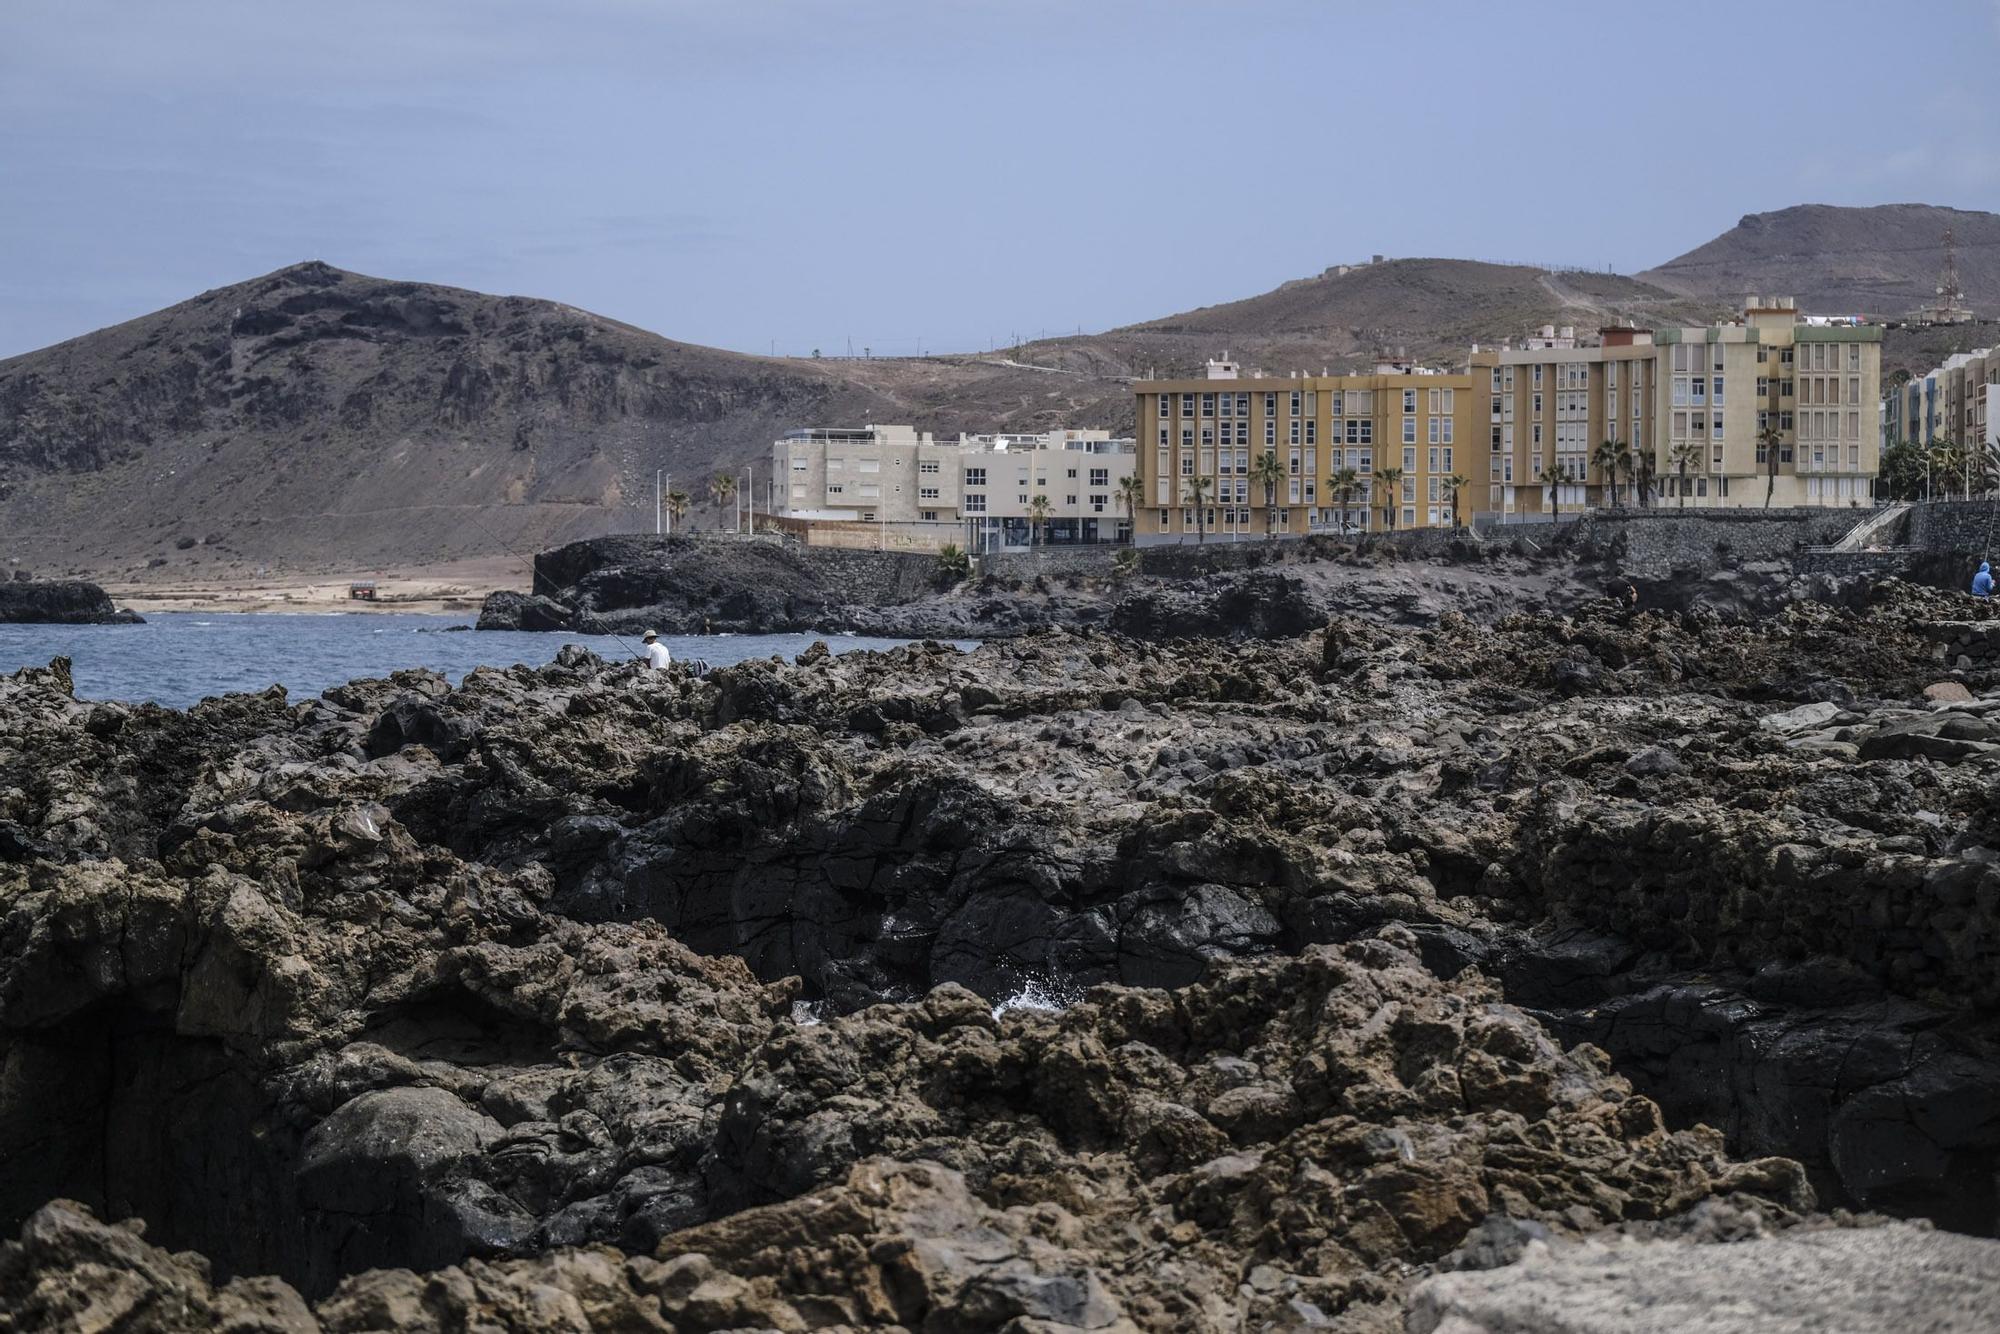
(1881, 261)
(313, 417)
(1433, 308)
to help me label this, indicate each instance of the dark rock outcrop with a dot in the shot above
(60, 602)
(1089, 977)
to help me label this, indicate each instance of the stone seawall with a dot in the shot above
(1968, 527)
(1654, 544)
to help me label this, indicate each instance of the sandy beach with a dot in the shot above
(453, 587)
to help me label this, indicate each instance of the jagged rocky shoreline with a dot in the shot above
(1249, 590)
(649, 1001)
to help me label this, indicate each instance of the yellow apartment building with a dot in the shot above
(1199, 442)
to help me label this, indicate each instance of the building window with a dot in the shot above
(930, 516)
(1208, 405)
(1409, 400)
(1100, 477)
(929, 467)
(1311, 437)
(1187, 405)
(835, 488)
(975, 477)
(927, 493)
(1295, 402)
(1410, 430)
(1163, 407)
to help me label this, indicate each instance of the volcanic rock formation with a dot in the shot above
(60, 602)
(749, 976)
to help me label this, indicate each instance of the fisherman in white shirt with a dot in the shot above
(657, 656)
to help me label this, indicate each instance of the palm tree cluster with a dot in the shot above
(1948, 469)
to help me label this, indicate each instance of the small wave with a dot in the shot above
(808, 1013)
(1047, 993)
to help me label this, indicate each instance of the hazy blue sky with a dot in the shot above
(741, 171)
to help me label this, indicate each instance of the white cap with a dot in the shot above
(651, 634)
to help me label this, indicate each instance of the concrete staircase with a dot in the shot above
(1865, 534)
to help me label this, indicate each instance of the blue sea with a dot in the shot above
(180, 658)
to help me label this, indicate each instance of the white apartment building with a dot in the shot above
(976, 489)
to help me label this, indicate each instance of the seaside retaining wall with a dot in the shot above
(1967, 527)
(1653, 544)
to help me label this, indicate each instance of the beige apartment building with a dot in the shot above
(1199, 439)
(976, 489)
(1705, 404)
(1550, 403)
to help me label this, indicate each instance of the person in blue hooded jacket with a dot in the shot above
(1982, 583)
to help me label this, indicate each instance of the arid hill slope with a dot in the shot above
(316, 418)
(1433, 308)
(1876, 261)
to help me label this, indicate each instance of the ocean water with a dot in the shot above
(180, 658)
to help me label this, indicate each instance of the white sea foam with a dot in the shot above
(1048, 993)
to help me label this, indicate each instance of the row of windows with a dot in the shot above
(1300, 402)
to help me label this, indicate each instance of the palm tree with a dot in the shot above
(1554, 479)
(1686, 454)
(677, 505)
(1606, 457)
(1958, 462)
(1391, 481)
(722, 489)
(1345, 482)
(1038, 517)
(1452, 486)
(1770, 437)
(1631, 464)
(1195, 492)
(1132, 490)
(1271, 473)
